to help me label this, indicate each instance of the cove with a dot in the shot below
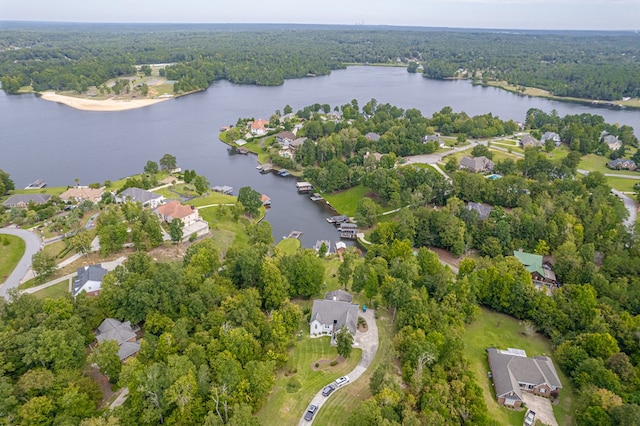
(40, 139)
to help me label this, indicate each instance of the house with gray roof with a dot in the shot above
(329, 316)
(340, 295)
(89, 280)
(144, 197)
(550, 136)
(483, 210)
(373, 137)
(529, 141)
(612, 142)
(22, 200)
(476, 164)
(121, 332)
(514, 373)
(622, 164)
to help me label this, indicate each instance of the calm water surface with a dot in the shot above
(40, 139)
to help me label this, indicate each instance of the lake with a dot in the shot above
(40, 139)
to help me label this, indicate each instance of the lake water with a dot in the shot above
(40, 139)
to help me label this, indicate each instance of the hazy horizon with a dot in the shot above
(595, 15)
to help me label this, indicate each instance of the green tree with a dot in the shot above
(168, 162)
(366, 212)
(176, 230)
(250, 199)
(151, 167)
(43, 265)
(105, 355)
(344, 342)
(81, 241)
(201, 184)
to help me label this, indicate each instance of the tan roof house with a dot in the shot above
(81, 194)
(258, 127)
(476, 164)
(174, 210)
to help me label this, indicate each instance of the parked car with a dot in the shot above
(311, 411)
(530, 418)
(328, 389)
(342, 381)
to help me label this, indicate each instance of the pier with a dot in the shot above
(224, 189)
(295, 234)
(36, 184)
(304, 187)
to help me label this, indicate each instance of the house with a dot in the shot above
(89, 280)
(542, 273)
(339, 295)
(434, 138)
(622, 164)
(373, 137)
(285, 138)
(258, 127)
(137, 195)
(529, 141)
(23, 200)
(121, 332)
(483, 210)
(175, 210)
(612, 142)
(329, 316)
(513, 373)
(550, 136)
(82, 194)
(297, 143)
(476, 164)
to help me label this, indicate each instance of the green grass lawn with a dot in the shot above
(53, 292)
(338, 408)
(288, 246)
(230, 233)
(284, 408)
(345, 202)
(622, 184)
(10, 254)
(597, 163)
(49, 190)
(492, 329)
(189, 191)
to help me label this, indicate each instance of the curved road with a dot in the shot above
(368, 342)
(33, 244)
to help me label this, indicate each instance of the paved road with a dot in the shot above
(631, 207)
(438, 156)
(32, 247)
(368, 342)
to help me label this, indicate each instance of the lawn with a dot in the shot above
(288, 246)
(284, 408)
(174, 192)
(345, 202)
(10, 254)
(622, 184)
(225, 231)
(598, 163)
(49, 190)
(501, 331)
(338, 408)
(53, 292)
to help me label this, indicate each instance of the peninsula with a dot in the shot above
(111, 104)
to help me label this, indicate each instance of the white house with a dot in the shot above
(89, 280)
(329, 316)
(193, 223)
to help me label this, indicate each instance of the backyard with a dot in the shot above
(11, 250)
(492, 329)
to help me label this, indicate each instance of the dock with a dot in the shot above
(265, 168)
(295, 234)
(337, 220)
(304, 187)
(284, 173)
(326, 243)
(316, 197)
(266, 200)
(36, 184)
(224, 189)
(348, 230)
(243, 151)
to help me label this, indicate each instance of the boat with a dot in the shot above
(316, 197)
(243, 151)
(284, 173)
(265, 168)
(336, 220)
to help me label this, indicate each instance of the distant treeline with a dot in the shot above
(75, 57)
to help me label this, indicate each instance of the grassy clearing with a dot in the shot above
(10, 254)
(501, 331)
(622, 184)
(287, 408)
(49, 190)
(231, 233)
(173, 192)
(53, 292)
(597, 163)
(288, 246)
(340, 406)
(346, 201)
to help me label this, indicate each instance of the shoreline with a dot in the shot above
(107, 105)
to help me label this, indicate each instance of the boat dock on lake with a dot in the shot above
(316, 197)
(348, 230)
(36, 184)
(336, 220)
(265, 168)
(303, 187)
(224, 189)
(295, 234)
(284, 173)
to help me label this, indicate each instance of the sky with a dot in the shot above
(499, 14)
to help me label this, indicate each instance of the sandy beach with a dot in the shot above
(99, 105)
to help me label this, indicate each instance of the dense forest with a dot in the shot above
(75, 57)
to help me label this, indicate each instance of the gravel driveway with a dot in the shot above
(542, 408)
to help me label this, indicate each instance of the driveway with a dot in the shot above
(33, 245)
(368, 342)
(542, 408)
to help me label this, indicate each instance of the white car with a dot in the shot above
(341, 381)
(530, 418)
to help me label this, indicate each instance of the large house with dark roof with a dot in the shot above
(89, 280)
(23, 200)
(513, 373)
(121, 332)
(476, 164)
(328, 316)
(138, 195)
